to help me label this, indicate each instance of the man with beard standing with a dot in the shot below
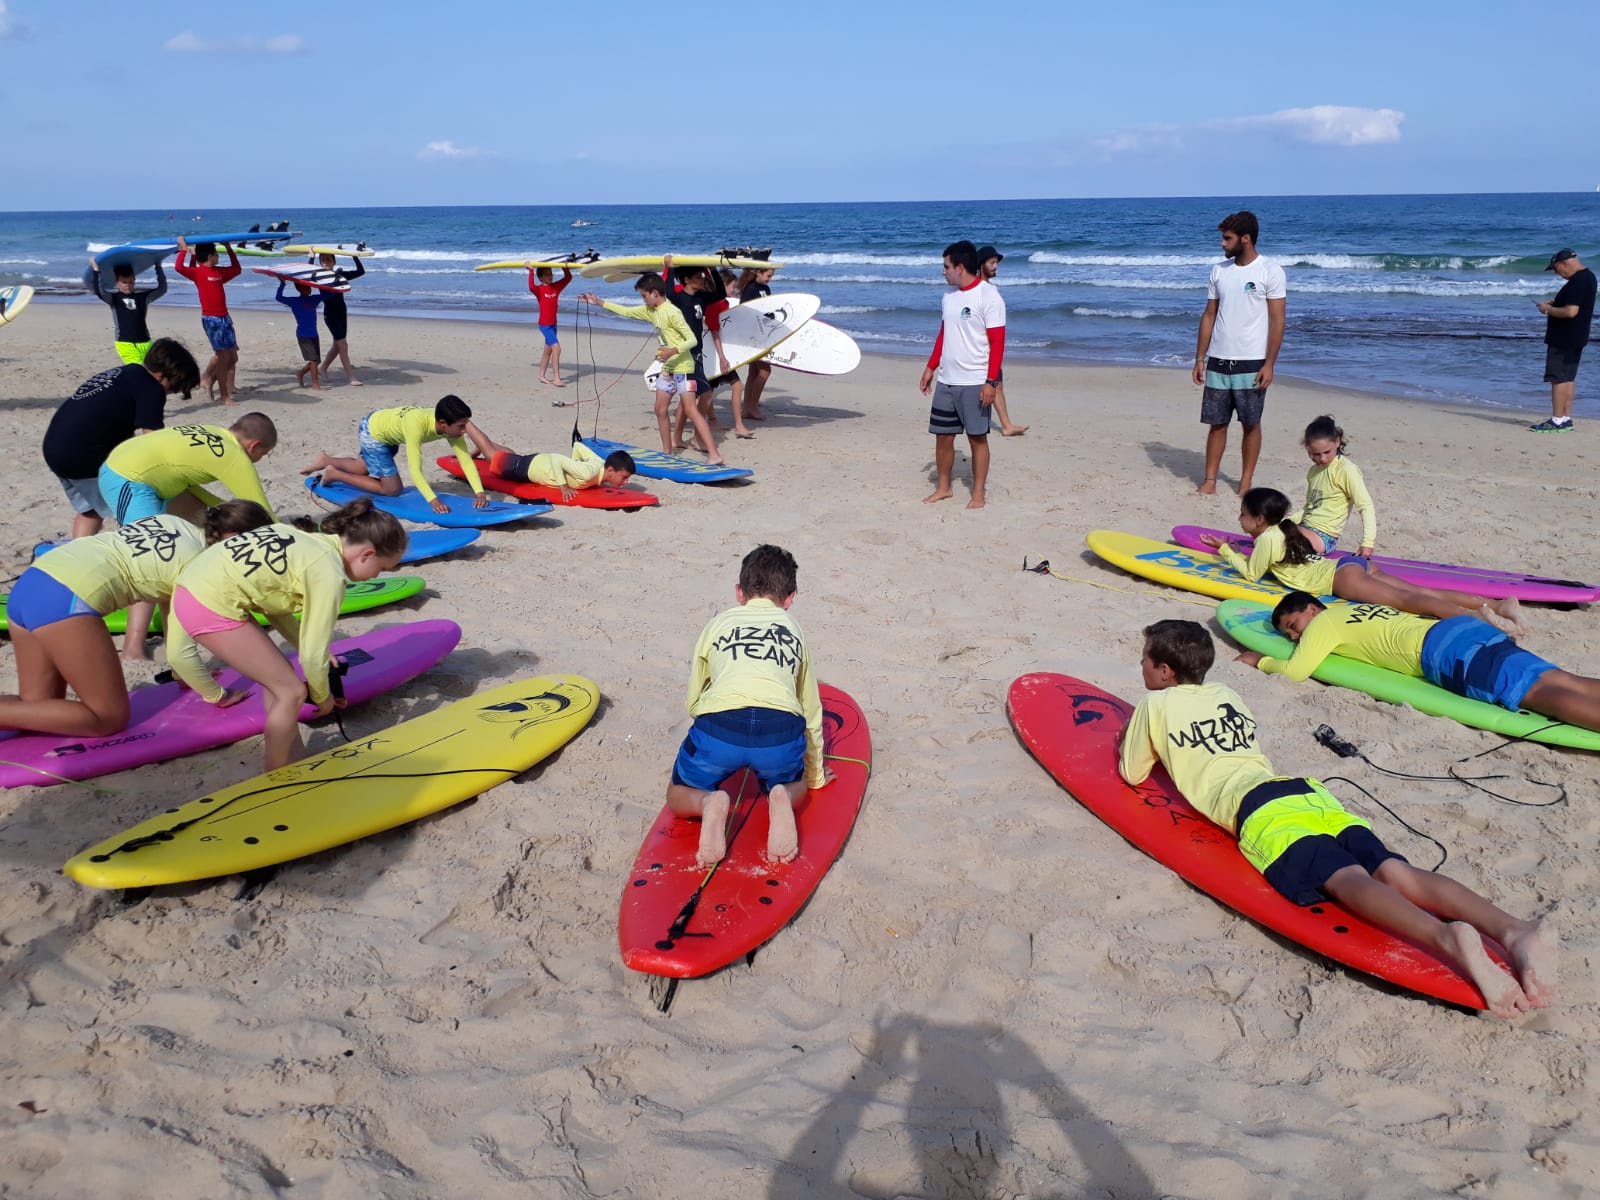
(1241, 331)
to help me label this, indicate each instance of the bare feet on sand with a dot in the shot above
(1207, 487)
(754, 416)
(1244, 485)
(1502, 994)
(1533, 952)
(783, 839)
(1014, 430)
(941, 494)
(976, 501)
(321, 463)
(713, 835)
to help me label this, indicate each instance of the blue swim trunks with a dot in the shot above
(1472, 658)
(549, 332)
(378, 456)
(219, 332)
(40, 599)
(771, 743)
(1322, 543)
(129, 501)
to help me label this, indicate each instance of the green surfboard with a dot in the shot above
(358, 597)
(1250, 624)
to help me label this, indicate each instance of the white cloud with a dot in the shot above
(187, 43)
(5, 21)
(10, 28)
(1127, 141)
(1326, 124)
(447, 149)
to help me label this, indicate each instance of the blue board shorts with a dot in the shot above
(770, 742)
(1323, 543)
(378, 456)
(549, 332)
(1474, 659)
(127, 500)
(40, 599)
(219, 332)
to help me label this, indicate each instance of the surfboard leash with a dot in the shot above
(730, 833)
(1344, 749)
(1043, 567)
(105, 791)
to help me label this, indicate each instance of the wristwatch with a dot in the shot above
(991, 383)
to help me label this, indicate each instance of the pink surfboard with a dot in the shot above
(168, 721)
(1492, 584)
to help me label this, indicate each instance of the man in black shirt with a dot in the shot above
(1569, 316)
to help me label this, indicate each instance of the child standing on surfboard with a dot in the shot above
(1334, 486)
(541, 284)
(1283, 549)
(304, 307)
(1301, 839)
(754, 701)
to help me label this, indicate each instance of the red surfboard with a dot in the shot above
(595, 497)
(1074, 729)
(748, 898)
(290, 277)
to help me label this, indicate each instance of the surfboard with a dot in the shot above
(375, 783)
(555, 262)
(817, 348)
(755, 328)
(1250, 625)
(652, 464)
(595, 497)
(1480, 582)
(13, 300)
(348, 251)
(1190, 570)
(311, 276)
(748, 899)
(1074, 730)
(615, 270)
(410, 506)
(358, 597)
(420, 543)
(169, 721)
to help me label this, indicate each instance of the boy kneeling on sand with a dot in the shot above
(755, 704)
(1296, 834)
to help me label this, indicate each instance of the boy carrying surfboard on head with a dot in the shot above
(755, 705)
(541, 282)
(210, 282)
(304, 307)
(1301, 839)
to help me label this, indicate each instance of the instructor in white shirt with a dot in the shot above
(966, 362)
(1241, 331)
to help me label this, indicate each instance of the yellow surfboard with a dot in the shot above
(528, 264)
(372, 784)
(349, 251)
(615, 270)
(1187, 569)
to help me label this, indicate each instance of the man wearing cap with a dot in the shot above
(1568, 318)
(988, 267)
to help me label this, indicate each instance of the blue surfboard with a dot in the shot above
(420, 543)
(141, 256)
(652, 464)
(410, 506)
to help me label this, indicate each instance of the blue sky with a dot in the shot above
(179, 104)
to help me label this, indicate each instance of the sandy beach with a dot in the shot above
(991, 995)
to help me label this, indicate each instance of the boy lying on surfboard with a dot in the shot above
(583, 468)
(1301, 839)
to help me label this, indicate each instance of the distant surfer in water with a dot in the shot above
(1301, 839)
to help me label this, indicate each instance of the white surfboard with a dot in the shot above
(753, 329)
(818, 348)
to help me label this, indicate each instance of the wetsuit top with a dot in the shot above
(333, 302)
(410, 426)
(1331, 492)
(693, 306)
(671, 328)
(1315, 575)
(277, 571)
(107, 410)
(754, 291)
(133, 562)
(128, 309)
(210, 282)
(1369, 633)
(184, 457)
(1206, 738)
(549, 294)
(304, 309)
(754, 656)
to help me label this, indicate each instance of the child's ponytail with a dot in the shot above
(1272, 506)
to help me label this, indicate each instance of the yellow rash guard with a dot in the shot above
(184, 457)
(1314, 575)
(1369, 633)
(410, 426)
(671, 328)
(1331, 492)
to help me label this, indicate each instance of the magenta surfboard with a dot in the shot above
(1537, 589)
(168, 721)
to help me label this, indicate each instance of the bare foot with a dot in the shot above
(976, 501)
(357, 383)
(1493, 617)
(558, 383)
(716, 462)
(321, 463)
(1533, 952)
(713, 835)
(1244, 485)
(754, 416)
(679, 447)
(1207, 487)
(941, 494)
(1501, 993)
(1014, 431)
(1511, 610)
(783, 839)
(747, 435)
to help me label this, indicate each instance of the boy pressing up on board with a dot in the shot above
(1296, 833)
(304, 307)
(573, 473)
(754, 701)
(383, 432)
(676, 357)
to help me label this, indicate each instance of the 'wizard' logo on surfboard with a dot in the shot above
(772, 318)
(528, 711)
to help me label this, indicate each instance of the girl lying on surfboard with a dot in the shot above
(57, 610)
(278, 571)
(1283, 549)
(1334, 486)
(1301, 839)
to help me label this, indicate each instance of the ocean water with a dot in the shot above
(1430, 297)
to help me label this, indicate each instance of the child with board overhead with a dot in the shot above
(573, 473)
(211, 281)
(57, 612)
(1299, 837)
(676, 356)
(304, 306)
(336, 315)
(129, 306)
(755, 704)
(384, 431)
(1282, 548)
(541, 284)
(278, 571)
(1334, 486)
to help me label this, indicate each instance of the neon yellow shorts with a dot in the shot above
(133, 352)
